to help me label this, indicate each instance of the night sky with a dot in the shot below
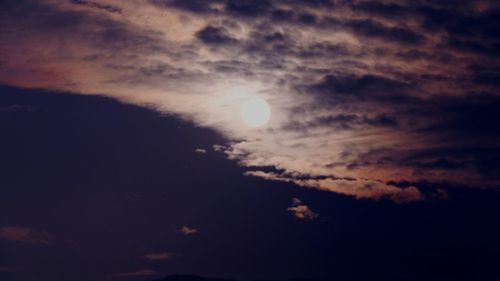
(249, 140)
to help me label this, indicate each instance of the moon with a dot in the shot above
(255, 112)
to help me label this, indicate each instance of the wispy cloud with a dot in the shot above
(25, 234)
(16, 107)
(301, 210)
(158, 256)
(188, 230)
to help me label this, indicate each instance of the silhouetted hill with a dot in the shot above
(198, 278)
(189, 278)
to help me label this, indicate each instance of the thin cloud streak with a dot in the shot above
(186, 230)
(158, 256)
(25, 235)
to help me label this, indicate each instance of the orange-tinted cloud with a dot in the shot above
(364, 100)
(301, 210)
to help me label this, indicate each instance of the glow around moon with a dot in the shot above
(255, 112)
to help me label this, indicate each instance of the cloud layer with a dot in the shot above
(369, 98)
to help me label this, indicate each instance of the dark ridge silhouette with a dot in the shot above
(189, 278)
(199, 278)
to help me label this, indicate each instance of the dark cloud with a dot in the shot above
(371, 29)
(345, 122)
(307, 19)
(241, 10)
(360, 87)
(474, 47)
(194, 6)
(87, 28)
(312, 3)
(215, 35)
(389, 10)
(248, 8)
(470, 24)
(282, 15)
(97, 5)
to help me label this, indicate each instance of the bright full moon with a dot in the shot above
(255, 112)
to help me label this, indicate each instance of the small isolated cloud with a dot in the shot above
(158, 256)
(141, 272)
(301, 210)
(200, 150)
(187, 230)
(25, 234)
(219, 148)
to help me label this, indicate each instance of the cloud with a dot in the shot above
(141, 272)
(194, 6)
(25, 234)
(366, 86)
(371, 29)
(345, 122)
(97, 5)
(188, 230)
(16, 107)
(359, 188)
(200, 150)
(158, 256)
(248, 8)
(362, 93)
(301, 210)
(218, 147)
(214, 35)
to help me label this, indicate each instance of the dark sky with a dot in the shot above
(269, 139)
(110, 183)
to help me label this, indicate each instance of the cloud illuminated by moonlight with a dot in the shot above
(364, 104)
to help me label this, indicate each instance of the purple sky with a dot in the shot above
(373, 102)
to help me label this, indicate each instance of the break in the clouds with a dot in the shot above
(25, 234)
(368, 98)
